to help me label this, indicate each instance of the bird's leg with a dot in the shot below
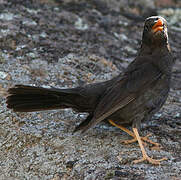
(140, 140)
(145, 138)
(145, 156)
(122, 128)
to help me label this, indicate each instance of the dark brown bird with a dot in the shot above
(129, 98)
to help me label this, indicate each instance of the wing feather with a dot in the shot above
(125, 90)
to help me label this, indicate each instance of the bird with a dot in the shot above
(130, 98)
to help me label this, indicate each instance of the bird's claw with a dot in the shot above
(150, 160)
(145, 140)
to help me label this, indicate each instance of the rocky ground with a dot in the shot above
(64, 44)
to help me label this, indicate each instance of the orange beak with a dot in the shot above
(158, 26)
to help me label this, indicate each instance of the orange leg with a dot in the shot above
(133, 135)
(140, 140)
(145, 156)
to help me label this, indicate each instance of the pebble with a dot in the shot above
(3, 75)
(7, 16)
(80, 25)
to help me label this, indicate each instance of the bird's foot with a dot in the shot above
(144, 154)
(150, 160)
(145, 140)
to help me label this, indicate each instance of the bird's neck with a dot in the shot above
(155, 48)
(160, 56)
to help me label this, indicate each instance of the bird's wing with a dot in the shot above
(125, 90)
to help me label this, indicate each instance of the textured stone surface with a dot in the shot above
(65, 44)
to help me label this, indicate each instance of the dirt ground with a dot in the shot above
(65, 43)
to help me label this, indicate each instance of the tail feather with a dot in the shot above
(28, 98)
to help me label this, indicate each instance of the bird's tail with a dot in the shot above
(28, 98)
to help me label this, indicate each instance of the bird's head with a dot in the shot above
(155, 32)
